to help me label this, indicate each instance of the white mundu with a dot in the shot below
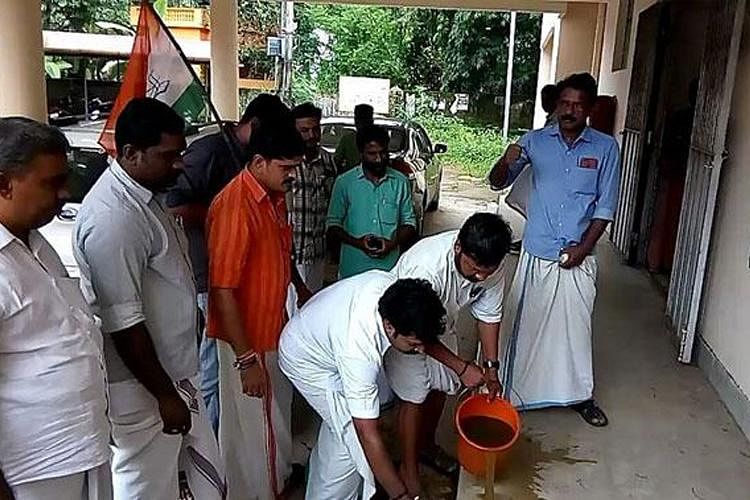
(412, 377)
(133, 259)
(54, 433)
(332, 351)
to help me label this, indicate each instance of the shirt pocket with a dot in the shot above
(389, 215)
(585, 181)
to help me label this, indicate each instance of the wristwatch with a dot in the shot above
(491, 364)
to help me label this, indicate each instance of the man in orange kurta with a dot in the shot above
(249, 246)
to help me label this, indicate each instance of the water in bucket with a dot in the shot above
(487, 432)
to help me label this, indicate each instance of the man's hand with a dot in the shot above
(361, 243)
(512, 154)
(254, 381)
(493, 385)
(473, 376)
(174, 414)
(303, 295)
(576, 255)
(388, 247)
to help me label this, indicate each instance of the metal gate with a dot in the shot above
(622, 228)
(642, 80)
(704, 167)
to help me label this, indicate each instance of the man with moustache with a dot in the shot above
(371, 210)
(133, 257)
(250, 266)
(465, 268)
(308, 202)
(576, 171)
(210, 163)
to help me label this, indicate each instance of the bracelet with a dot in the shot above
(466, 367)
(245, 360)
(491, 364)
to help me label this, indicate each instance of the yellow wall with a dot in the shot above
(577, 39)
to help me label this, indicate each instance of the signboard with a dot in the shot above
(462, 102)
(355, 90)
(273, 46)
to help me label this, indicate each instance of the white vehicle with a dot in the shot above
(87, 162)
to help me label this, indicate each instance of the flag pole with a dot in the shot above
(212, 109)
(184, 58)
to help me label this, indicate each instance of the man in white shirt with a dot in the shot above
(332, 351)
(464, 268)
(54, 432)
(133, 256)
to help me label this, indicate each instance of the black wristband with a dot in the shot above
(466, 367)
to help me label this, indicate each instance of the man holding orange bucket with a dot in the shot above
(464, 268)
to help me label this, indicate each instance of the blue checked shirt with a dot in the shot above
(571, 186)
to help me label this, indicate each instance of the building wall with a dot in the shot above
(725, 324)
(547, 61)
(577, 39)
(617, 83)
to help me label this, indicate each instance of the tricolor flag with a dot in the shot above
(157, 68)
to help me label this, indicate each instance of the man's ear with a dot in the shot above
(6, 186)
(389, 328)
(130, 153)
(257, 162)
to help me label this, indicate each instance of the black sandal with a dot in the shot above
(591, 413)
(439, 461)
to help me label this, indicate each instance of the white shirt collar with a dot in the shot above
(130, 184)
(6, 238)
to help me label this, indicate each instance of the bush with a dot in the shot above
(472, 147)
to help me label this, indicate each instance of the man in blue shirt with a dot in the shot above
(576, 171)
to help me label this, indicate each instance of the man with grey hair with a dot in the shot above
(54, 434)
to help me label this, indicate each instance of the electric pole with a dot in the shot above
(287, 42)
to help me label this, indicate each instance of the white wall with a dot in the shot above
(550, 42)
(617, 83)
(726, 320)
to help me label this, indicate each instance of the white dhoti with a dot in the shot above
(312, 274)
(413, 376)
(547, 353)
(93, 484)
(255, 435)
(146, 462)
(338, 467)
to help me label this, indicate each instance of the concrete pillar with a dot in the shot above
(224, 61)
(578, 39)
(23, 90)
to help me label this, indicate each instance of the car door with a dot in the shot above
(427, 156)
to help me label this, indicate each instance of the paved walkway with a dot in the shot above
(669, 436)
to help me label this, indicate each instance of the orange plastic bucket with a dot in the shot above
(472, 456)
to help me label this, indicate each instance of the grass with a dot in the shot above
(472, 147)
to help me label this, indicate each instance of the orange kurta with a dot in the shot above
(249, 250)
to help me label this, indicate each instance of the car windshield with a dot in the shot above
(85, 168)
(333, 132)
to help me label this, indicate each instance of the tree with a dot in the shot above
(82, 15)
(363, 41)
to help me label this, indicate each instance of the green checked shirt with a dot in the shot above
(362, 207)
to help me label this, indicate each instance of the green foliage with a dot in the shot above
(472, 147)
(365, 41)
(81, 15)
(256, 21)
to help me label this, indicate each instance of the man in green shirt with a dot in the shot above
(347, 153)
(371, 210)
